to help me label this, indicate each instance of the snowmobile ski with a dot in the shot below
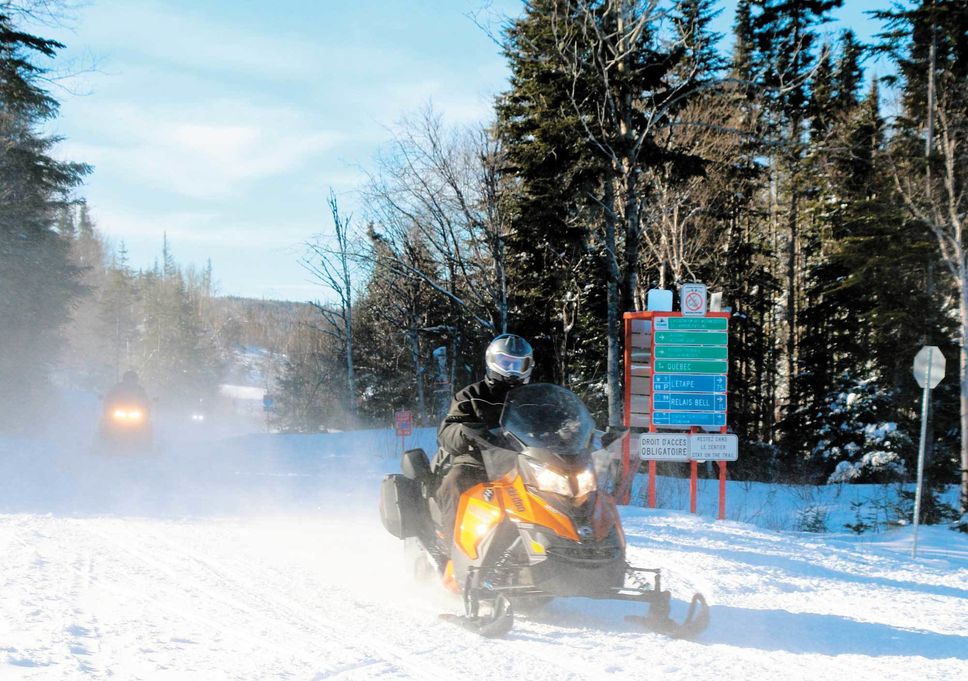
(659, 621)
(497, 623)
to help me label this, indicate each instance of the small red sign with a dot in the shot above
(404, 422)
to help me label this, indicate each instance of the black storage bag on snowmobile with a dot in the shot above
(399, 506)
(415, 465)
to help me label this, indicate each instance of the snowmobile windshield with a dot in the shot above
(549, 417)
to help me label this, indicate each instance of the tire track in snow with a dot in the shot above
(537, 664)
(72, 630)
(285, 611)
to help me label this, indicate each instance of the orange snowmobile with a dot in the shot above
(538, 529)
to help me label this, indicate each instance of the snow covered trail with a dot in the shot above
(263, 557)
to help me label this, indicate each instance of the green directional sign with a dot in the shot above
(690, 337)
(691, 352)
(692, 323)
(684, 366)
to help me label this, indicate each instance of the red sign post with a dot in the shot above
(404, 422)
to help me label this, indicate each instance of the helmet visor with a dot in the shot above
(510, 365)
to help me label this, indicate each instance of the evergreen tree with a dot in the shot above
(396, 328)
(554, 173)
(38, 282)
(928, 163)
(692, 21)
(118, 313)
(784, 35)
(179, 359)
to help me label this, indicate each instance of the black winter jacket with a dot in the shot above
(473, 411)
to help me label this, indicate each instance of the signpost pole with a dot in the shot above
(693, 484)
(929, 370)
(652, 474)
(925, 400)
(693, 479)
(722, 490)
(403, 420)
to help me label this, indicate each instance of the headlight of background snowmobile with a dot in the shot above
(128, 415)
(548, 480)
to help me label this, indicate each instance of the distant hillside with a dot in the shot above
(249, 322)
(254, 336)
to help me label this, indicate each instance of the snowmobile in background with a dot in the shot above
(538, 529)
(126, 425)
(126, 417)
(199, 412)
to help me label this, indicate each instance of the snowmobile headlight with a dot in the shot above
(549, 480)
(131, 415)
(585, 482)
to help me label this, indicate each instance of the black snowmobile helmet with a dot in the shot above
(130, 377)
(509, 359)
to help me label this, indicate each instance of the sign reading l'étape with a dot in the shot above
(688, 447)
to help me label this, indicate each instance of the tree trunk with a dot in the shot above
(632, 240)
(793, 275)
(614, 379)
(418, 372)
(963, 368)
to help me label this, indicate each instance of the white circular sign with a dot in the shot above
(929, 366)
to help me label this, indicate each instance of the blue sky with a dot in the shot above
(225, 123)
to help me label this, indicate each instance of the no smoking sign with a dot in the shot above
(692, 299)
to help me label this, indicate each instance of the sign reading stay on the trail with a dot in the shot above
(929, 366)
(404, 422)
(723, 447)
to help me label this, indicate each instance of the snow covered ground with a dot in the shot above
(262, 556)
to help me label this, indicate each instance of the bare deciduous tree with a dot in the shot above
(332, 266)
(935, 192)
(442, 187)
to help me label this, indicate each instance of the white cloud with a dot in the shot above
(200, 228)
(187, 39)
(224, 124)
(199, 151)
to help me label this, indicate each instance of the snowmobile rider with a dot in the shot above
(473, 412)
(129, 391)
